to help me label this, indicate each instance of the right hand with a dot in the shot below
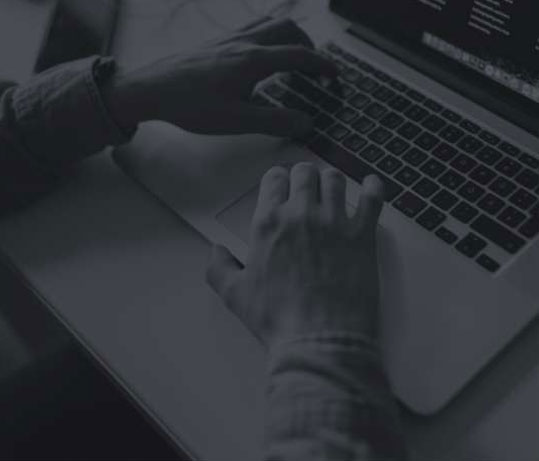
(312, 268)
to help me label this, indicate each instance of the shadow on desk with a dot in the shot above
(59, 404)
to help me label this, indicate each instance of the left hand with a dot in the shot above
(209, 92)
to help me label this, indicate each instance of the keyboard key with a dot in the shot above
(471, 245)
(486, 262)
(367, 84)
(528, 179)
(346, 91)
(531, 227)
(482, 175)
(463, 163)
(375, 110)
(351, 75)
(350, 58)
(512, 217)
(338, 132)
(451, 116)
(293, 101)
(304, 87)
(431, 219)
(397, 146)
(410, 204)
(372, 153)
(503, 187)
(347, 115)
(491, 204)
(433, 105)
(392, 120)
(415, 95)
(330, 104)
(523, 199)
(323, 121)
(366, 67)
(389, 164)
(445, 200)
(399, 103)
(380, 135)
(509, 149)
(470, 144)
(451, 134)
(355, 143)
(452, 180)
(530, 161)
(471, 192)
(488, 156)
(409, 130)
(497, 234)
(433, 168)
(359, 101)
(434, 123)
(363, 125)
(427, 141)
(383, 94)
(508, 167)
(382, 76)
(416, 113)
(415, 156)
(464, 212)
(446, 235)
(470, 126)
(350, 164)
(399, 86)
(444, 152)
(426, 188)
(489, 137)
(407, 176)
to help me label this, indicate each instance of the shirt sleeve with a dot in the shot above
(54, 120)
(329, 399)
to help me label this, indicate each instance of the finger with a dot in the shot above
(371, 202)
(304, 185)
(278, 32)
(294, 58)
(333, 191)
(274, 189)
(251, 118)
(222, 274)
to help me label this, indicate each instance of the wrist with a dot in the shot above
(123, 96)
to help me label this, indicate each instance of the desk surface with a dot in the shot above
(128, 276)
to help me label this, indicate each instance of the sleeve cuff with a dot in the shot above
(60, 114)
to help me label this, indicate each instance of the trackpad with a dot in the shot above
(237, 217)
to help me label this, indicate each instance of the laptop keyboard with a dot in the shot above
(439, 168)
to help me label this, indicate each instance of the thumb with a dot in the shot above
(222, 275)
(274, 121)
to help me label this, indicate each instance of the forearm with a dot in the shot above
(51, 122)
(328, 398)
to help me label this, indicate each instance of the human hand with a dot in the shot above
(210, 92)
(311, 268)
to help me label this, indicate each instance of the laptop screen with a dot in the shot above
(496, 40)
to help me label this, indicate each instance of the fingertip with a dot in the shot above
(374, 187)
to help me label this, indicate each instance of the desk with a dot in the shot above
(128, 276)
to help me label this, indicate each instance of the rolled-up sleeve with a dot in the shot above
(329, 399)
(54, 120)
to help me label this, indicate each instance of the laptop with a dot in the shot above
(441, 100)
